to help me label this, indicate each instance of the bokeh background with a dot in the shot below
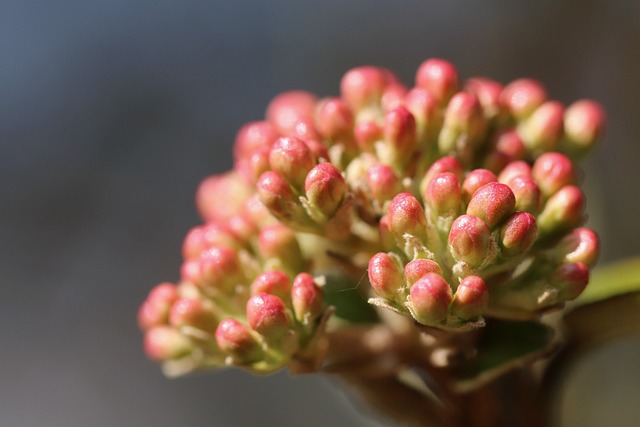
(112, 111)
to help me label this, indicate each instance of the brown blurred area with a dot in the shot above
(113, 111)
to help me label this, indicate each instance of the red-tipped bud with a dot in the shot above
(292, 159)
(443, 164)
(386, 276)
(325, 188)
(443, 195)
(235, 339)
(257, 212)
(426, 110)
(430, 298)
(542, 130)
(243, 227)
(563, 211)
(274, 282)
(488, 93)
(570, 279)
(154, 311)
(474, 180)
(279, 242)
(292, 113)
(367, 133)
(203, 237)
(552, 171)
(464, 124)
(307, 298)
(439, 77)
(252, 137)
(470, 240)
(521, 97)
(364, 86)
(219, 197)
(382, 181)
(267, 315)
(190, 270)
(163, 343)
(514, 169)
(192, 312)
(471, 298)
(220, 269)
(276, 195)
(581, 245)
(386, 237)
(399, 132)
(334, 120)
(527, 193)
(584, 123)
(394, 95)
(492, 203)
(518, 233)
(417, 268)
(510, 144)
(406, 216)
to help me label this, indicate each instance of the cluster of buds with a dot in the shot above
(461, 200)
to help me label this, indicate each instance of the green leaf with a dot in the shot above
(610, 280)
(502, 347)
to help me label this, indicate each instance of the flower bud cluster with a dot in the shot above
(460, 198)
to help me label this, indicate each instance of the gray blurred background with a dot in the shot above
(112, 111)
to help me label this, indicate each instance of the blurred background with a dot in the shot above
(111, 113)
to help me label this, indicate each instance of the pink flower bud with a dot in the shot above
(417, 268)
(292, 159)
(334, 120)
(206, 236)
(364, 86)
(439, 77)
(386, 236)
(425, 109)
(443, 195)
(276, 195)
(235, 339)
(163, 343)
(552, 171)
(581, 245)
(570, 279)
(243, 227)
(220, 269)
(521, 97)
(192, 312)
(518, 233)
(256, 164)
(292, 114)
(394, 95)
(406, 216)
(514, 169)
(154, 311)
(474, 180)
(367, 133)
(252, 137)
(471, 298)
(527, 193)
(563, 211)
(400, 134)
(492, 203)
(430, 298)
(386, 276)
(584, 123)
(219, 197)
(307, 298)
(488, 93)
(325, 188)
(542, 130)
(280, 242)
(382, 181)
(510, 143)
(443, 164)
(267, 315)
(274, 282)
(190, 270)
(464, 124)
(469, 240)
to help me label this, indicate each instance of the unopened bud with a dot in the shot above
(192, 312)
(203, 237)
(252, 137)
(488, 93)
(474, 180)
(443, 164)
(429, 299)
(325, 188)
(399, 132)
(518, 233)
(220, 269)
(274, 282)
(584, 123)
(464, 124)
(382, 181)
(513, 169)
(563, 211)
(521, 97)
(154, 311)
(406, 216)
(292, 114)
(527, 193)
(443, 195)
(426, 110)
(235, 339)
(276, 195)
(367, 133)
(334, 119)
(581, 245)
(279, 242)
(417, 268)
(292, 159)
(364, 86)
(570, 280)
(470, 240)
(492, 203)
(386, 276)
(219, 197)
(552, 171)
(267, 315)
(307, 298)
(471, 298)
(439, 77)
(163, 343)
(542, 130)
